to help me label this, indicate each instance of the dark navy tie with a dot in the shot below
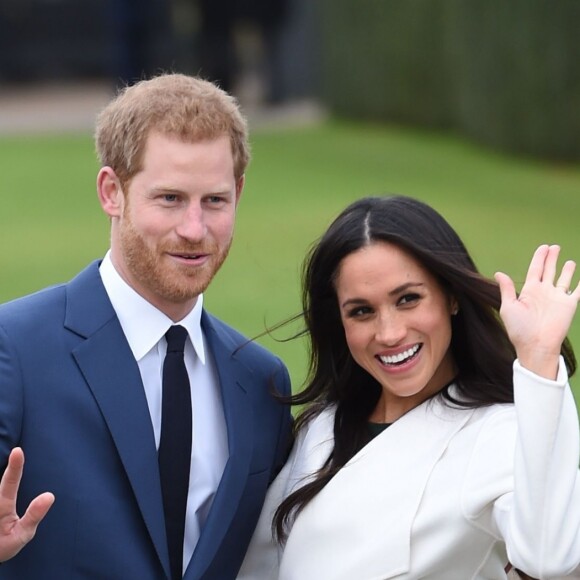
(175, 445)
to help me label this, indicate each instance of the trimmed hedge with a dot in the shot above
(505, 73)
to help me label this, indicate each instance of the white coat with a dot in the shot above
(442, 494)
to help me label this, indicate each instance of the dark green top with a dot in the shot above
(377, 428)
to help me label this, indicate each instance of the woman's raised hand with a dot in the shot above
(538, 320)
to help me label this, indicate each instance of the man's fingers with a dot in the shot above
(25, 527)
(12, 475)
(35, 513)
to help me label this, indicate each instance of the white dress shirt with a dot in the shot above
(144, 327)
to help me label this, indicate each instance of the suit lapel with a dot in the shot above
(233, 375)
(108, 366)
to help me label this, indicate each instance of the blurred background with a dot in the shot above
(265, 51)
(473, 107)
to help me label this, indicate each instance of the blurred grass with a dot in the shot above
(51, 224)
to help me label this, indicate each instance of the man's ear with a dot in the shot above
(110, 193)
(240, 187)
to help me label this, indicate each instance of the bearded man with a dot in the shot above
(158, 457)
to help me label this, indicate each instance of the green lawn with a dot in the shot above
(51, 224)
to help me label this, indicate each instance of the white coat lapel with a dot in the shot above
(359, 526)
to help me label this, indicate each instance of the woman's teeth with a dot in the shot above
(401, 357)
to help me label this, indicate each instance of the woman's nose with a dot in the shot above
(390, 330)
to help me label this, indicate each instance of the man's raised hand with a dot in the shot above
(16, 532)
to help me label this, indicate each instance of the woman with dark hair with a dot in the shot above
(440, 438)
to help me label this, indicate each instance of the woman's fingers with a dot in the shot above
(537, 264)
(565, 279)
(506, 287)
(550, 264)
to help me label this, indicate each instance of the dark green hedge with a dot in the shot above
(504, 72)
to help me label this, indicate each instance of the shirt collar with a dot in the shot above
(143, 324)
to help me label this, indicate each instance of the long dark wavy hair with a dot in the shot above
(480, 346)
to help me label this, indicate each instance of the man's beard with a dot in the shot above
(153, 270)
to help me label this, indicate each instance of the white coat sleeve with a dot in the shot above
(536, 506)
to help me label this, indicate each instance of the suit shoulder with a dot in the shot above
(33, 306)
(48, 304)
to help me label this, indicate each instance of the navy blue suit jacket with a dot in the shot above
(71, 396)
